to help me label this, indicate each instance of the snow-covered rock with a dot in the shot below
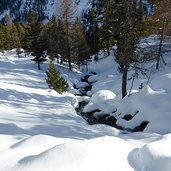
(101, 96)
(101, 100)
(81, 85)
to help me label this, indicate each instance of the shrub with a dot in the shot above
(54, 81)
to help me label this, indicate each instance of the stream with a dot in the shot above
(105, 118)
(89, 117)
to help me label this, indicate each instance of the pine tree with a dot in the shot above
(162, 20)
(62, 41)
(3, 35)
(120, 23)
(51, 38)
(66, 13)
(35, 43)
(54, 81)
(129, 31)
(55, 39)
(107, 22)
(20, 31)
(81, 50)
(92, 30)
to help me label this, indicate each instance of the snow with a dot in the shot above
(150, 105)
(153, 156)
(76, 156)
(40, 129)
(51, 8)
(83, 98)
(156, 110)
(101, 100)
(81, 85)
(102, 95)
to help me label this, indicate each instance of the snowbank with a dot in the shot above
(101, 100)
(154, 156)
(95, 154)
(152, 106)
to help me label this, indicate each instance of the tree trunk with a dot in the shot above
(124, 81)
(68, 46)
(160, 46)
(69, 62)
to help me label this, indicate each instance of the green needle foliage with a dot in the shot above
(54, 81)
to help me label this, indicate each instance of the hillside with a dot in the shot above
(38, 125)
(17, 10)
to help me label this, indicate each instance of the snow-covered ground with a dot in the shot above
(41, 131)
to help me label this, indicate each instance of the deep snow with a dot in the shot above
(40, 129)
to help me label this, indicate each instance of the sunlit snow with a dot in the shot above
(41, 131)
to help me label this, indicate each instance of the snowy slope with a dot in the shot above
(40, 129)
(149, 105)
(16, 9)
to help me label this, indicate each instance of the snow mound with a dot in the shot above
(164, 83)
(41, 142)
(83, 99)
(81, 85)
(152, 106)
(102, 95)
(94, 154)
(93, 78)
(71, 99)
(154, 156)
(101, 100)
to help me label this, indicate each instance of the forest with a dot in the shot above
(68, 38)
(85, 91)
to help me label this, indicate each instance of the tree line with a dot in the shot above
(53, 39)
(66, 38)
(123, 24)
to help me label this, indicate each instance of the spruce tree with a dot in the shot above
(81, 50)
(3, 35)
(107, 22)
(62, 40)
(35, 43)
(129, 31)
(120, 23)
(54, 80)
(162, 20)
(55, 36)
(51, 38)
(92, 31)
(20, 31)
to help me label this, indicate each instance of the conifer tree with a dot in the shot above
(55, 39)
(54, 80)
(162, 20)
(62, 41)
(92, 30)
(21, 31)
(35, 43)
(129, 31)
(81, 50)
(51, 38)
(107, 22)
(66, 13)
(120, 23)
(3, 35)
